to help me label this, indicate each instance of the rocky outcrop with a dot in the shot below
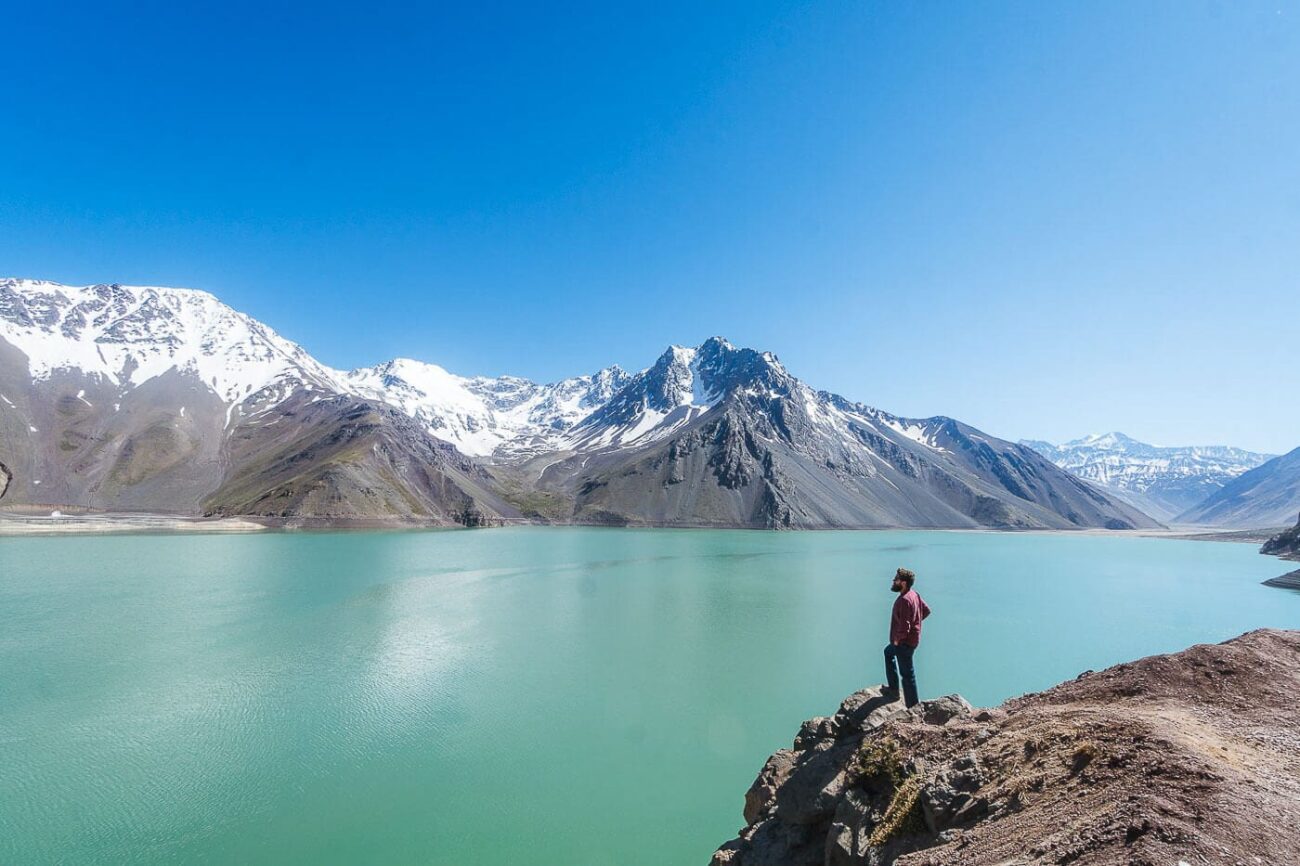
(1193, 756)
(1285, 544)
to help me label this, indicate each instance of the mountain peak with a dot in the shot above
(1113, 439)
(126, 335)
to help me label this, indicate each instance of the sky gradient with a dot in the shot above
(1043, 219)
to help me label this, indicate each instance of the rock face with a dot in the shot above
(1193, 756)
(1162, 482)
(1286, 544)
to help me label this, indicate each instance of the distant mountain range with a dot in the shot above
(166, 400)
(1166, 483)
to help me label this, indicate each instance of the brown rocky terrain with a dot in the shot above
(1190, 758)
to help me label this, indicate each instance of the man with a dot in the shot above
(904, 636)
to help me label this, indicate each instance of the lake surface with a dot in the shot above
(525, 695)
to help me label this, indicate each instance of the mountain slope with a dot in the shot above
(725, 436)
(1163, 482)
(1266, 496)
(483, 417)
(152, 399)
(127, 335)
(340, 458)
(163, 400)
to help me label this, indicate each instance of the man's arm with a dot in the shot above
(925, 608)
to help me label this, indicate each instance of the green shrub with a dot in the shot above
(879, 760)
(903, 817)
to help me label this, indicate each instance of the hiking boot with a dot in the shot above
(889, 694)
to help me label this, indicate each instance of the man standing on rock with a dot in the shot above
(904, 637)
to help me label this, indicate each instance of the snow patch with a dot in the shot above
(914, 431)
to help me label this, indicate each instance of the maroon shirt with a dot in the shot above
(905, 624)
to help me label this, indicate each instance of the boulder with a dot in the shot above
(815, 783)
(761, 795)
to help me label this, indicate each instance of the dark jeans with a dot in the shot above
(898, 659)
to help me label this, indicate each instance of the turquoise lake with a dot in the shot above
(524, 696)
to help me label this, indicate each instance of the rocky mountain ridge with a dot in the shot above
(720, 435)
(1161, 481)
(166, 400)
(1192, 757)
(507, 417)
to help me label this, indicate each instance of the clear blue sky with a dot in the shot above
(1046, 219)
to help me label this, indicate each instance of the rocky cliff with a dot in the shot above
(1192, 757)
(1285, 545)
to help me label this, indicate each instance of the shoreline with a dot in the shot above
(26, 525)
(20, 524)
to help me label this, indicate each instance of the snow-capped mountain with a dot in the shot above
(485, 417)
(128, 335)
(720, 435)
(1163, 482)
(679, 387)
(167, 400)
(117, 397)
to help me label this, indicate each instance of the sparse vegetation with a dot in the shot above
(903, 817)
(1084, 754)
(879, 763)
(879, 760)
